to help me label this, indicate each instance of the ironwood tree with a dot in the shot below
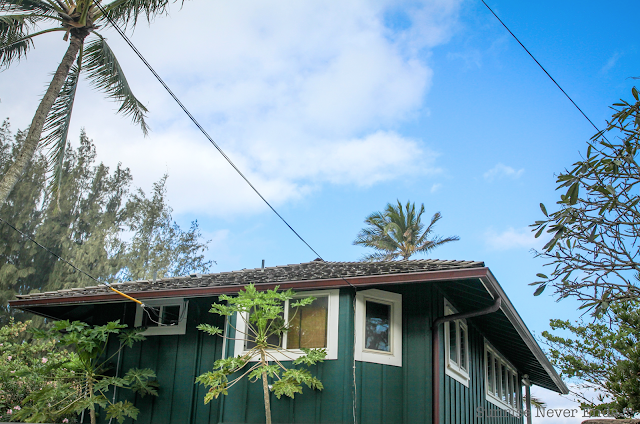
(96, 222)
(603, 357)
(88, 53)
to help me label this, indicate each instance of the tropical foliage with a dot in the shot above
(97, 223)
(263, 313)
(64, 371)
(398, 232)
(603, 357)
(593, 250)
(88, 53)
(84, 380)
(26, 367)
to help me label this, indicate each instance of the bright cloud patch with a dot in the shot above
(299, 94)
(502, 171)
(512, 238)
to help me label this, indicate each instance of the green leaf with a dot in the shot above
(539, 290)
(542, 276)
(543, 209)
(209, 329)
(122, 410)
(140, 381)
(634, 92)
(573, 193)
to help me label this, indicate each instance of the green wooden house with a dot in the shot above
(419, 341)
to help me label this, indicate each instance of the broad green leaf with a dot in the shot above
(539, 290)
(543, 209)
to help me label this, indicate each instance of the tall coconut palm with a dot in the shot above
(398, 232)
(88, 52)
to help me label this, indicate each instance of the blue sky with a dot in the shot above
(334, 109)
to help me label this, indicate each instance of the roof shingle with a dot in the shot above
(314, 270)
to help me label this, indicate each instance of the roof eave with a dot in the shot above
(523, 331)
(363, 281)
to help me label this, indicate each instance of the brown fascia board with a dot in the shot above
(514, 318)
(370, 280)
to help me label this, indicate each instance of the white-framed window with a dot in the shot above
(312, 326)
(163, 316)
(501, 380)
(456, 346)
(378, 327)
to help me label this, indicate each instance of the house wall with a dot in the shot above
(385, 394)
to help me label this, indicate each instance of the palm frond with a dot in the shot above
(105, 74)
(127, 12)
(14, 48)
(381, 256)
(398, 232)
(25, 6)
(56, 127)
(429, 245)
(15, 37)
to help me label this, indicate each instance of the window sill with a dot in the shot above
(505, 407)
(459, 376)
(290, 355)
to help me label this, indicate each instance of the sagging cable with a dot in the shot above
(72, 265)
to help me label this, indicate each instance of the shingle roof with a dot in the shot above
(315, 270)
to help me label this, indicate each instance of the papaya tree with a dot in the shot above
(263, 313)
(84, 381)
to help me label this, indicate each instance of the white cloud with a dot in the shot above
(500, 171)
(610, 63)
(512, 238)
(562, 409)
(299, 94)
(555, 409)
(436, 187)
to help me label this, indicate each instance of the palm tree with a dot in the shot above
(399, 233)
(21, 21)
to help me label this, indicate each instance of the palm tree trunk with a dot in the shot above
(28, 149)
(265, 389)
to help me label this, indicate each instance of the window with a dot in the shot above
(163, 317)
(456, 347)
(501, 380)
(378, 327)
(311, 326)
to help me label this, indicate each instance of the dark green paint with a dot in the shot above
(385, 394)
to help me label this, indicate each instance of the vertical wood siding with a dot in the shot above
(385, 394)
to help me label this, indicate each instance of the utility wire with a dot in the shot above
(202, 130)
(197, 124)
(540, 65)
(72, 265)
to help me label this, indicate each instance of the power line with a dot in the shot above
(197, 124)
(71, 265)
(540, 65)
(202, 130)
